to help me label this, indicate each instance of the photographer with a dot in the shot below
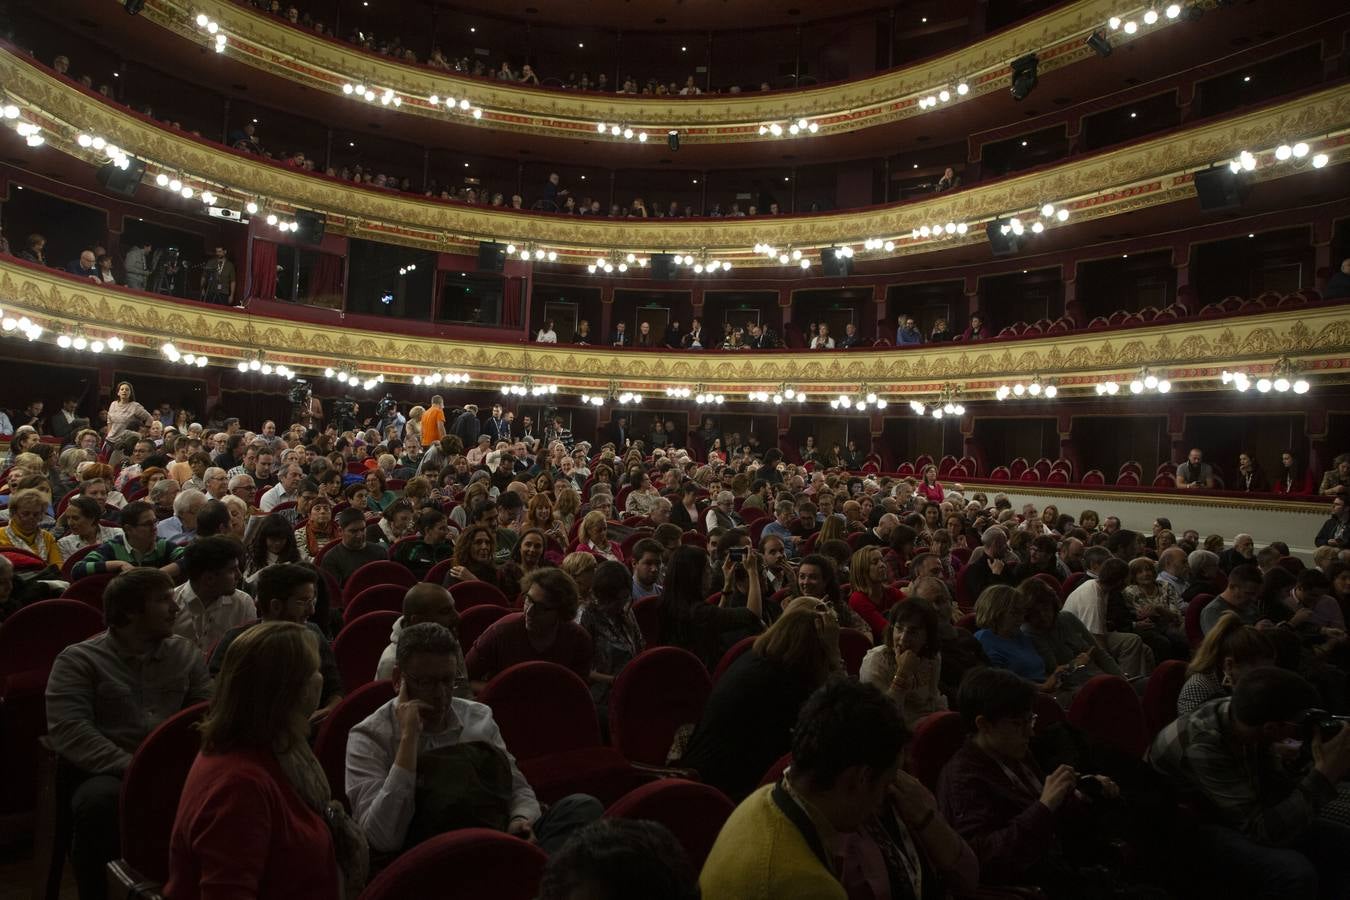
(1262, 828)
(389, 415)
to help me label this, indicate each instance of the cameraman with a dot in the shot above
(1263, 830)
(389, 415)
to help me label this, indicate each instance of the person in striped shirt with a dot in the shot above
(138, 545)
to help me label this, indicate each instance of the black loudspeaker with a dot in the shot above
(673, 140)
(311, 226)
(1003, 244)
(491, 256)
(134, 6)
(1024, 75)
(663, 267)
(1219, 189)
(835, 265)
(1100, 44)
(121, 181)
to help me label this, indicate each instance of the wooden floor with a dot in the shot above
(16, 875)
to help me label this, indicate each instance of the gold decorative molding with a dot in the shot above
(1190, 352)
(261, 41)
(1143, 174)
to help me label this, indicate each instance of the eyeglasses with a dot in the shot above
(148, 524)
(446, 684)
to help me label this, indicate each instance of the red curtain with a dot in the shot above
(325, 281)
(263, 277)
(512, 300)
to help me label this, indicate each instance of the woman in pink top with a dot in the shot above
(929, 487)
(256, 817)
(125, 414)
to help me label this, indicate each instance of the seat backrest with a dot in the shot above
(468, 594)
(360, 644)
(478, 862)
(1000, 473)
(1018, 466)
(1094, 476)
(1043, 466)
(32, 638)
(936, 740)
(89, 589)
(733, 653)
(1160, 696)
(151, 787)
(323, 551)
(1058, 476)
(658, 691)
(1049, 579)
(945, 465)
(1107, 711)
(1071, 584)
(542, 709)
(330, 745)
(1127, 479)
(68, 567)
(963, 598)
(1164, 481)
(647, 611)
(1193, 610)
(853, 646)
(380, 571)
(693, 812)
(473, 622)
(376, 598)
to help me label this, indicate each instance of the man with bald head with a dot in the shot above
(1071, 554)
(880, 536)
(1173, 569)
(996, 563)
(425, 602)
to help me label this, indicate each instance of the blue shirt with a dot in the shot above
(1017, 654)
(774, 529)
(908, 336)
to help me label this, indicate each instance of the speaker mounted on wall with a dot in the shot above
(121, 181)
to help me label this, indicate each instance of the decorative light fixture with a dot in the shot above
(1144, 380)
(1108, 388)
(199, 360)
(527, 388)
(1035, 389)
(947, 404)
(442, 377)
(1284, 377)
(346, 375)
(866, 398)
(627, 132)
(783, 394)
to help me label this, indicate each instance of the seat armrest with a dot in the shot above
(125, 883)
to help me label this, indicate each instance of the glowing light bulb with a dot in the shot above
(1150, 17)
(1283, 152)
(1062, 215)
(1300, 150)
(1173, 10)
(1131, 27)
(1320, 160)
(1114, 22)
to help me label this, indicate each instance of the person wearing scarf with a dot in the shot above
(257, 816)
(24, 531)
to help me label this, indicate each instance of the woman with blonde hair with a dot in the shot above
(1227, 652)
(581, 566)
(24, 531)
(593, 537)
(539, 514)
(832, 529)
(413, 428)
(1000, 613)
(747, 723)
(566, 505)
(256, 816)
(871, 596)
(238, 515)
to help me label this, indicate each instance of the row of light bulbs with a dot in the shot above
(784, 256)
(1035, 389)
(844, 401)
(627, 398)
(79, 342)
(461, 105)
(212, 27)
(778, 397)
(529, 390)
(536, 253)
(24, 325)
(702, 398)
(439, 377)
(1144, 381)
(938, 231)
(31, 133)
(256, 364)
(944, 95)
(348, 377)
(792, 128)
(199, 360)
(624, 131)
(1280, 383)
(1246, 161)
(1150, 17)
(116, 155)
(938, 411)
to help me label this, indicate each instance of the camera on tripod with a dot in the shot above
(388, 406)
(300, 392)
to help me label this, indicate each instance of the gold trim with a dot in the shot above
(259, 41)
(1140, 496)
(1140, 175)
(1190, 351)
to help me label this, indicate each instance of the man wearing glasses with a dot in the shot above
(546, 631)
(287, 593)
(137, 546)
(427, 762)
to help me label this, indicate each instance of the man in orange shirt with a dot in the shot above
(433, 421)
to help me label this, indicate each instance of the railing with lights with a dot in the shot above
(1145, 380)
(947, 404)
(1283, 378)
(1036, 388)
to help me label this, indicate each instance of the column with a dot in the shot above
(878, 324)
(606, 314)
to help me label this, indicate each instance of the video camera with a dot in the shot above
(388, 406)
(300, 392)
(1319, 721)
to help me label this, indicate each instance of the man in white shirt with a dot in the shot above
(210, 602)
(426, 742)
(1088, 604)
(286, 490)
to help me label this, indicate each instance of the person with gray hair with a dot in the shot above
(960, 651)
(216, 482)
(722, 514)
(660, 511)
(994, 564)
(181, 527)
(430, 745)
(1204, 566)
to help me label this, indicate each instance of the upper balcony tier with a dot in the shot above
(1146, 173)
(866, 115)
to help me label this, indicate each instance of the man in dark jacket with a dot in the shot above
(995, 564)
(466, 426)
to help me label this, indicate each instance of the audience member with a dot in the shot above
(546, 631)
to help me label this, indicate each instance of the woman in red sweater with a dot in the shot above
(929, 487)
(871, 595)
(256, 817)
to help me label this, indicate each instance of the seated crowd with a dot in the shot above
(850, 625)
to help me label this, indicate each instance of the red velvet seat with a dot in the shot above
(437, 573)
(1043, 466)
(150, 789)
(330, 744)
(630, 542)
(376, 573)
(1049, 579)
(752, 514)
(776, 770)
(1071, 584)
(905, 469)
(323, 551)
(1099, 323)
(659, 691)
(468, 594)
(1094, 477)
(1000, 473)
(89, 589)
(692, 539)
(853, 646)
(1164, 481)
(693, 812)
(1130, 465)
(967, 621)
(1030, 475)
(757, 530)
(475, 621)
(963, 598)
(733, 653)
(922, 462)
(30, 641)
(936, 740)
(1193, 610)
(469, 863)
(1127, 479)
(1161, 694)
(360, 644)
(379, 597)
(945, 465)
(1018, 466)
(647, 611)
(958, 471)
(68, 567)
(961, 555)
(1107, 711)
(548, 721)
(1058, 476)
